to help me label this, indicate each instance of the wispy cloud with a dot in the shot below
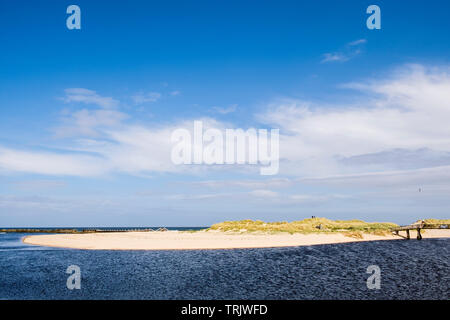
(334, 57)
(87, 96)
(267, 183)
(350, 50)
(183, 197)
(357, 42)
(399, 119)
(388, 180)
(264, 193)
(141, 98)
(37, 185)
(406, 111)
(308, 198)
(88, 122)
(229, 109)
(51, 163)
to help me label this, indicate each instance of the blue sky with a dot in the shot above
(86, 115)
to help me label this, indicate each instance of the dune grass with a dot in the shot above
(437, 221)
(352, 228)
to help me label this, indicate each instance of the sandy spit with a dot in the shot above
(178, 240)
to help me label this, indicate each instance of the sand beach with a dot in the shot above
(211, 239)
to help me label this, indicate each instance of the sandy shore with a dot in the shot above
(175, 240)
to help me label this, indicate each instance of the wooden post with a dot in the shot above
(419, 236)
(407, 234)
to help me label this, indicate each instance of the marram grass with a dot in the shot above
(437, 221)
(352, 228)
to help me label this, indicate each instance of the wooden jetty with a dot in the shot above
(418, 227)
(115, 230)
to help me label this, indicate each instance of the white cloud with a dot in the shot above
(141, 98)
(350, 50)
(182, 197)
(267, 183)
(309, 198)
(409, 110)
(399, 159)
(39, 206)
(411, 179)
(36, 185)
(229, 109)
(89, 97)
(88, 122)
(264, 193)
(357, 42)
(50, 163)
(132, 149)
(400, 119)
(334, 57)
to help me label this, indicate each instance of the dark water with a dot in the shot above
(409, 270)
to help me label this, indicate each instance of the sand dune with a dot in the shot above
(177, 240)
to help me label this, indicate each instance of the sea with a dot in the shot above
(401, 269)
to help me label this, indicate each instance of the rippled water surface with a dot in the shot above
(409, 270)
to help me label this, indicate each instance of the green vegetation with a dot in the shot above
(437, 221)
(352, 228)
